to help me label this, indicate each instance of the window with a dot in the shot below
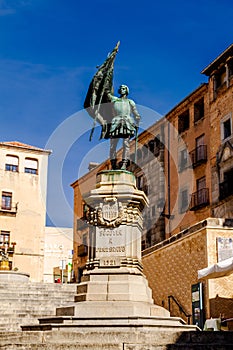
(201, 190)
(199, 110)
(200, 198)
(84, 209)
(139, 182)
(183, 122)
(230, 68)
(183, 201)
(151, 145)
(226, 127)
(84, 238)
(145, 151)
(139, 154)
(157, 145)
(6, 200)
(200, 148)
(31, 166)
(220, 77)
(12, 163)
(183, 159)
(200, 141)
(4, 239)
(226, 187)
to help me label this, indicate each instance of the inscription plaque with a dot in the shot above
(110, 242)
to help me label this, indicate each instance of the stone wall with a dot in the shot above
(172, 267)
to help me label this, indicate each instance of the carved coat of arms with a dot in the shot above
(110, 213)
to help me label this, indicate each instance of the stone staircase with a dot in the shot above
(24, 303)
(116, 340)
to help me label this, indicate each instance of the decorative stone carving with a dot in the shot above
(112, 213)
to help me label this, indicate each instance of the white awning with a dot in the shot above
(12, 160)
(30, 163)
(221, 269)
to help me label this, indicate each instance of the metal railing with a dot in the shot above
(199, 155)
(181, 309)
(199, 199)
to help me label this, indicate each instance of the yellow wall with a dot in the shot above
(27, 226)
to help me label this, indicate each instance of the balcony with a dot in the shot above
(199, 199)
(82, 250)
(225, 189)
(9, 210)
(198, 155)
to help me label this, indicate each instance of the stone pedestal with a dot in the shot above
(114, 284)
(115, 215)
(114, 293)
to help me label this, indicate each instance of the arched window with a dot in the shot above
(31, 166)
(12, 163)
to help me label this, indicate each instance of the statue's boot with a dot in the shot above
(114, 164)
(124, 164)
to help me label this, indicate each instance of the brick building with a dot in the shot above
(185, 166)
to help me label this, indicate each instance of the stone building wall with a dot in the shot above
(172, 267)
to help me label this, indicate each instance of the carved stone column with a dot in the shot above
(115, 213)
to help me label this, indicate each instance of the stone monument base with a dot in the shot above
(113, 300)
(121, 292)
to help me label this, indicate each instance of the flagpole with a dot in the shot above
(136, 144)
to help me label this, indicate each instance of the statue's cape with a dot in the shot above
(102, 82)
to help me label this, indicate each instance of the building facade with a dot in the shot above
(58, 254)
(185, 166)
(23, 186)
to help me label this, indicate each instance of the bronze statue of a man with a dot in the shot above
(124, 123)
(117, 115)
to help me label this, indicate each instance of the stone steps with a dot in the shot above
(26, 302)
(38, 297)
(113, 340)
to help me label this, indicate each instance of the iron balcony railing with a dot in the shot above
(225, 189)
(198, 155)
(199, 199)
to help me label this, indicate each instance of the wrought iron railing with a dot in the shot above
(199, 199)
(198, 155)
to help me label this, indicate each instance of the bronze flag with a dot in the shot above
(96, 100)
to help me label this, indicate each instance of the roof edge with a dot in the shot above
(20, 145)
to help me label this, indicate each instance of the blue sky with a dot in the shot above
(49, 51)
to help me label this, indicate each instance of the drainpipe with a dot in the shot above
(168, 178)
